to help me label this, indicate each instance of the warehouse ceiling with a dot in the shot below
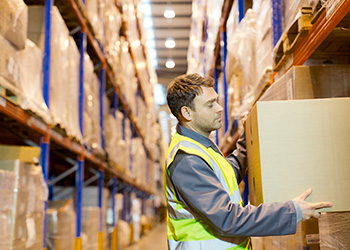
(159, 29)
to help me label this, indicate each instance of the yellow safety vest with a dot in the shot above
(184, 230)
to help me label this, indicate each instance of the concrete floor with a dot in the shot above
(154, 240)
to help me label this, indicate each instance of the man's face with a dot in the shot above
(207, 114)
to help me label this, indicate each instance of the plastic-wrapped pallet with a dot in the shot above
(7, 180)
(73, 70)
(23, 193)
(9, 66)
(31, 82)
(138, 160)
(126, 77)
(129, 19)
(61, 225)
(90, 202)
(136, 217)
(123, 232)
(92, 128)
(113, 26)
(59, 58)
(13, 22)
(111, 138)
(90, 227)
(213, 15)
(95, 11)
(263, 42)
(232, 21)
(334, 230)
(241, 60)
(123, 146)
(127, 139)
(194, 55)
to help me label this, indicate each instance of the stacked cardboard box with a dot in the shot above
(309, 82)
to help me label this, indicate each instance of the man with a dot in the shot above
(204, 204)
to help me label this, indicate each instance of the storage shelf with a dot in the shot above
(19, 115)
(320, 30)
(70, 7)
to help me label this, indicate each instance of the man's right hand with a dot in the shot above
(308, 209)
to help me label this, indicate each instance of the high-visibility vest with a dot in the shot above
(184, 230)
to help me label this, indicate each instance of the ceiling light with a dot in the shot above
(169, 13)
(170, 43)
(170, 64)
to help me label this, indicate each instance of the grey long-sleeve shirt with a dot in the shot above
(200, 190)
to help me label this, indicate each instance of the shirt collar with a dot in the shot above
(206, 142)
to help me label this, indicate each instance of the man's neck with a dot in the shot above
(189, 126)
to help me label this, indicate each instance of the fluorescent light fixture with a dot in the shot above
(170, 43)
(169, 13)
(170, 64)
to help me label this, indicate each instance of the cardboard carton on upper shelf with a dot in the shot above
(308, 82)
(297, 144)
(13, 22)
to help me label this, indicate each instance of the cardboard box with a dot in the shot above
(13, 22)
(309, 82)
(294, 145)
(306, 237)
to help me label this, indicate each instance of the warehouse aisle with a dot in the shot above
(154, 240)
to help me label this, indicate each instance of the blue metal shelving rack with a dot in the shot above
(85, 34)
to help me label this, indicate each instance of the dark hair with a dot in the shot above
(183, 89)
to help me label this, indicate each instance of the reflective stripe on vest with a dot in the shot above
(184, 230)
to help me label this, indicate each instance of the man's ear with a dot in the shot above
(186, 113)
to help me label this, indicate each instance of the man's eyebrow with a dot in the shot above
(212, 100)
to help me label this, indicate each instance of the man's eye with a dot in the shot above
(210, 105)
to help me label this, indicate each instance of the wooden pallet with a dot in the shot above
(293, 37)
(10, 96)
